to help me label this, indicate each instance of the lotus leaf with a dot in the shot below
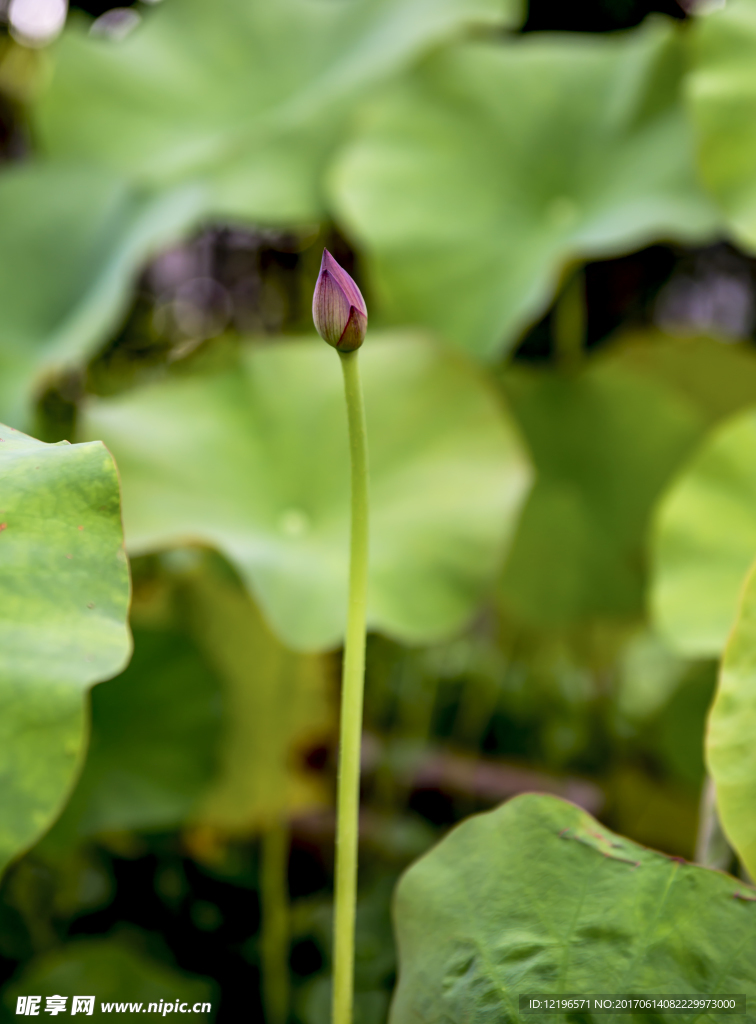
(704, 540)
(605, 442)
(721, 92)
(730, 752)
(254, 461)
(475, 179)
(246, 95)
(538, 897)
(72, 243)
(64, 593)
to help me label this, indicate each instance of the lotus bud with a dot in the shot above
(338, 308)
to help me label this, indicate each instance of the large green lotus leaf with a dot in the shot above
(64, 592)
(154, 742)
(115, 973)
(537, 896)
(722, 92)
(254, 461)
(730, 750)
(605, 441)
(704, 540)
(278, 706)
(249, 95)
(72, 241)
(472, 182)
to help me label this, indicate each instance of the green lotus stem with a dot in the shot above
(274, 944)
(569, 322)
(340, 317)
(352, 688)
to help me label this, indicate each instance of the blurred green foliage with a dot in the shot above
(115, 971)
(495, 164)
(605, 443)
(248, 99)
(561, 443)
(720, 90)
(85, 233)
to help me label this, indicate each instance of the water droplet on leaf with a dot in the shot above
(294, 523)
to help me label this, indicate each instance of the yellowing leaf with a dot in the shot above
(278, 705)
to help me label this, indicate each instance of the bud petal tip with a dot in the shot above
(338, 308)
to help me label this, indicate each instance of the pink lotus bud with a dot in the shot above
(338, 308)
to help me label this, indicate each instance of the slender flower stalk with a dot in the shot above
(341, 319)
